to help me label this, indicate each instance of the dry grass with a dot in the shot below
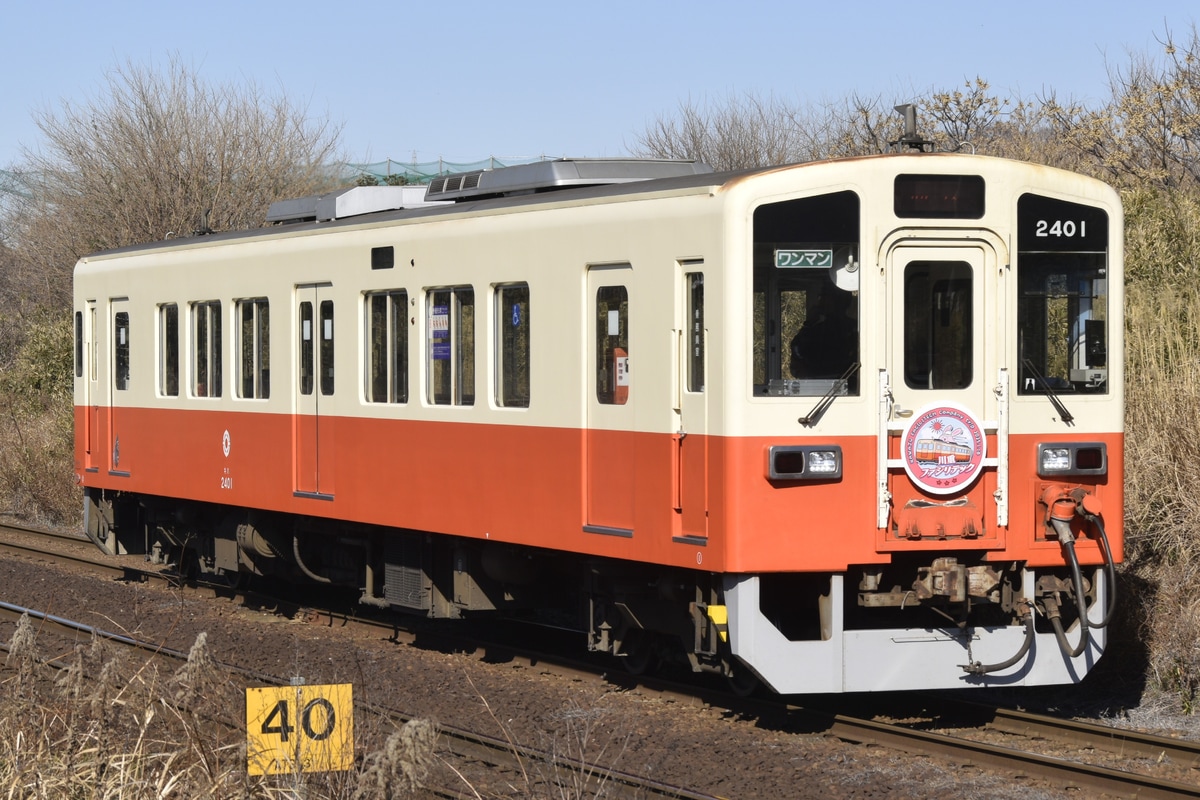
(104, 729)
(1163, 437)
(37, 476)
(37, 480)
(1162, 443)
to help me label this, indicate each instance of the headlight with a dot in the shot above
(1055, 459)
(823, 462)
(804, 462)
(1075, 458)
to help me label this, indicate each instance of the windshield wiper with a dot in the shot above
(825, 402)
(1063, 414)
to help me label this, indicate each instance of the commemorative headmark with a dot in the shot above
(944, 448)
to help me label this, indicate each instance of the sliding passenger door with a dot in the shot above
(86, 369)
(610, 441)
(691, 436)
(119, 390)
(312, 438)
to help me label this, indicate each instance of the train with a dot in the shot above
(941, 451)
(687, 415)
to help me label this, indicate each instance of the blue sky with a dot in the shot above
(465, 80)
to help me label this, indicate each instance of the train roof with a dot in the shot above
(505, 189)
(561, 173)
(563, 179)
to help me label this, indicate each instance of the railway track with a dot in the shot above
(470, 751)
(963, 742)
(1066, 772)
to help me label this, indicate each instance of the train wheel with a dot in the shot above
(234, 580)
(742, 681)
(640, 657)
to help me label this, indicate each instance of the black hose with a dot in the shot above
(1109, 569)
(1080, 605)
(982, 669)
(303, 567)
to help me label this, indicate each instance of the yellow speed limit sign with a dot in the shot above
(299, 729)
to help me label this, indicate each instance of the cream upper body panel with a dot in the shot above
(550, 245)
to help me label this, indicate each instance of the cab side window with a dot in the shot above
(805, 339)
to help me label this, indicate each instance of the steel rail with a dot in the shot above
(1062, 771)
(1120, 741)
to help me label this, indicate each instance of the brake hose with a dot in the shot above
(982, 669)
(1110, 571)
(1068, 544)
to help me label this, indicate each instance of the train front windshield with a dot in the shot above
(806, 332)
(1062, 303)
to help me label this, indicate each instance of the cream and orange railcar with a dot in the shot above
(676, 410)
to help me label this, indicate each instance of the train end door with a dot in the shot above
(943, 398)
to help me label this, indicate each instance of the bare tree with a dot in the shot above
(159, 154)
(1149, 132)
(749, 131)
(860, 126)
(738, 133)
(967, 118)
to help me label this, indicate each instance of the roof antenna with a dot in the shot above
(910, 139)
(203, 230)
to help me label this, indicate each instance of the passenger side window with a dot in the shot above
(512, 346)
(168, 343)
(206, 348)
(451, 354)
(387, 347)
(254, 348)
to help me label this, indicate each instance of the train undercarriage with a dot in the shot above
(922, 621)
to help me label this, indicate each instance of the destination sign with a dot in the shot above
(802, 259)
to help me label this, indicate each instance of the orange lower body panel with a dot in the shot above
(559, 488)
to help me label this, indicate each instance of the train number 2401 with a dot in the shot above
(1061, 228)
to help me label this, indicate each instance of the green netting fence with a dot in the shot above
(414, 172)
(389, 171)
(12, 183)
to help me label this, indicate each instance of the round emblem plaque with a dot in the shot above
(944, 448)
